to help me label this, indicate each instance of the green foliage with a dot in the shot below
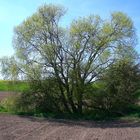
(8, 104)
(2, 109)
(9, 68)
(121, 88)
(18, 86)
(61, 66)
(43, 96)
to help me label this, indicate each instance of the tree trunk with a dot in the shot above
(70, 100)
(80, 103)
(64, 100)
(74, 109)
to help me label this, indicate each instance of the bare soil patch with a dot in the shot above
(29, 128)
(4, 94)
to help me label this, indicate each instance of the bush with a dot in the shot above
(42, 97)
(121, 88)
(9, 104)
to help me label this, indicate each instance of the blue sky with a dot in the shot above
(13, 12)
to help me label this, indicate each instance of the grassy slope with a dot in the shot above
(12, 86)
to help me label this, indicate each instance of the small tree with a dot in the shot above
(9, 68)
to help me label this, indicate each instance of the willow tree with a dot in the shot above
(75, 56)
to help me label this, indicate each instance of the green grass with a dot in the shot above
(6, 85)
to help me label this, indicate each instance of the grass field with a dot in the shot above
(6, 85)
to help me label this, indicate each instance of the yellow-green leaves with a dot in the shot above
(107, 29)
(9, 68)
(85, 25)
(122, 24)
(89, 43)
(121, 19)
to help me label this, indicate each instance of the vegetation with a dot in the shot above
(90, 68)
(7, 85)
(120, 88)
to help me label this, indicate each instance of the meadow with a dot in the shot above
(15, 86)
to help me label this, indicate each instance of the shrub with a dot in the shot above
(9, 104)
(42, 97)
(121, 84)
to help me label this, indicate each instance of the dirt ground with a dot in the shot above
(4, 94)
(14, 127)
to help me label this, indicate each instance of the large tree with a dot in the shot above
(75, 56)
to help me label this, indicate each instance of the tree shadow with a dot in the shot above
(86, 124)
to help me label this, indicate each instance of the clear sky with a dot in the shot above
(13, 12)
